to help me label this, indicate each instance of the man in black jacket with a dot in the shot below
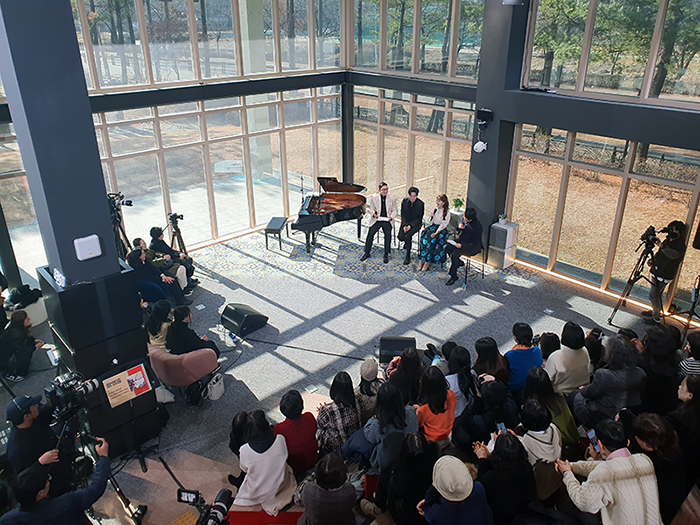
(664, 265)
(412, 210)
(144, 270)
(34, 484)
(468, 243)
(160, 246)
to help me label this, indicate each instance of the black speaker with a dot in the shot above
(241, 319)
(390, 347)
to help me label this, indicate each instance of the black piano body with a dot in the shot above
(339, 201)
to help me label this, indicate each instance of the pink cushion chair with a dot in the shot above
(182, 370)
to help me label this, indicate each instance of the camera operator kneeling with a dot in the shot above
(32, 489)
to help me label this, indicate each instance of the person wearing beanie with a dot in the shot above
(329, 500)
(455, 498)
(366, 392)
(569, 368)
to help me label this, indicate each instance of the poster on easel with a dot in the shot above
(126, 385)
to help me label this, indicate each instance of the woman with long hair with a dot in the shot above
(659, 442)
(434, 237)
(436, 408)
(658, 360)
(538, 386)
(686, 421)
(340, 418)
(490, 361)
(17, 344)
(268, 480)
(392, 419)
(461, 379)
(507, 477)
(406, 374)
(181, 339)
(158, 324)
(405, 483)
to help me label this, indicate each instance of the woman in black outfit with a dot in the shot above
(658, 360)
(495, 405)
(657, 440)
(402, 486)
(490, 361)
(182, 339)
(407, 375)
(507, 478)
(17, 345)
(146, 271)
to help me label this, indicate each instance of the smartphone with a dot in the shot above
(594, 440)
(500, 428)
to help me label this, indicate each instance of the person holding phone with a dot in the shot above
(620, 485)
(32, 493)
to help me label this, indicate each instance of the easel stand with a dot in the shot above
(635, 276)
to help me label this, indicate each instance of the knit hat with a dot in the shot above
(19, 407)
(572, 335)
(368, 370)
(451, 479)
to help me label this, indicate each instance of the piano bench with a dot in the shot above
(274, 227)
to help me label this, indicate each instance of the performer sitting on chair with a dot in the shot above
(412, 210)
(382, 210)
(433, 238)
(468, 243)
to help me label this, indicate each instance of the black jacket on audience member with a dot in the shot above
(496, 405)
(689, 438)
(161, 246)
(182, 339)
(148, 272)
(660, 392)
(670, 478)
(402, 486)
(509, 493)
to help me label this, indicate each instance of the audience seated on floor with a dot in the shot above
(594, 344)
(366, 392)
(620, 485)
(340, 418)
(436, 407)
(462, 380)
(490, 361)
(17, 345)
(686, 421)
(658, 360)
(495, 405)
(523, 356)
(269, 480)
(299, 431)
(329, 500)
(569, 367)
(548, 343)
(691, 364)
(158, 324)
(405, 372)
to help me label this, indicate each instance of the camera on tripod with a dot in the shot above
(174, 217)
(649, 237)
(117, 200)
(66, 394)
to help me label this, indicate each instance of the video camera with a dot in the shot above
(116, 201)
(67, 392)
(214, 514)
(649, 237)
(174, 217)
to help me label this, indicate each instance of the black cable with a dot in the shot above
(303, 349)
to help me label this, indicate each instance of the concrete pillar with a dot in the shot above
(47, 95)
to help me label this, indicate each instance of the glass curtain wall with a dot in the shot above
(442, 39)
(148, 42)
(583, 202)
(412, 140)
(618, 49)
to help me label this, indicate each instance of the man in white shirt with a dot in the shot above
(382, 210)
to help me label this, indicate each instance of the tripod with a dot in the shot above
(120, 239)
(691, 312)
(177, 234)
(635, 276)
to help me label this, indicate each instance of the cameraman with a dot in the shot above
(664, 265)
(32, 442)
(34, 484)
(160, 246)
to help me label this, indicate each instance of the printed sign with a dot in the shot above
(127, 385)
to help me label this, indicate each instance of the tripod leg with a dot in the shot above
(135, 515)
(634, 277)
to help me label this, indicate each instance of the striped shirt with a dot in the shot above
(689, 367)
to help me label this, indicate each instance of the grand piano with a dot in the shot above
(339, 201)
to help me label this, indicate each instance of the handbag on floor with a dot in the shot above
(215, 387)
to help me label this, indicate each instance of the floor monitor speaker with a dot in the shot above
(242, 319)
(390, 347)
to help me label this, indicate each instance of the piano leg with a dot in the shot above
(308, 242)
(359, 228)
(314, 238)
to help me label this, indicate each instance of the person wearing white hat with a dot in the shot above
(454, 498)
(366, 392)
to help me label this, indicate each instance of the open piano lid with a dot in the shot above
(331, 185)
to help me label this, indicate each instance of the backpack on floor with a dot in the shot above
(194, 394)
